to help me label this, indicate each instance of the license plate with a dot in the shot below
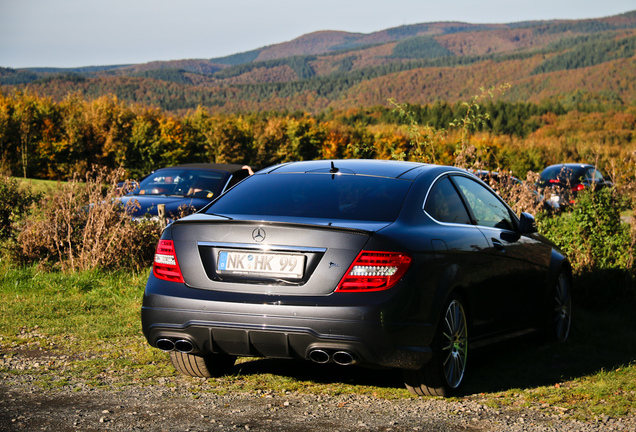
(261, 264)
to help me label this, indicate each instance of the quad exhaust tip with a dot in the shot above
(319, 356)
(165, 345)
(184, 346)
(343, 358)
(181, 345)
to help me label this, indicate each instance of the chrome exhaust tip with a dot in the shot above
(319, 356)
(165, 345)
(184, 346)
(343, 358)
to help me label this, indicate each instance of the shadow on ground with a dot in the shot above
(599, 341)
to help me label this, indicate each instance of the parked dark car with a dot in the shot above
(564, 181)
(186, 188)
(380, 263)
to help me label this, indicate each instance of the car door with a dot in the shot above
(519, 263)
(459, 245)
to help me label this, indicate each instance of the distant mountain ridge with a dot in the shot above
(328, 41)
(335, 69)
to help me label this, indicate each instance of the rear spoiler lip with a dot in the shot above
(361, 227)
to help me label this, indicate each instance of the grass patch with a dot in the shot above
(84, 329)
(90, 305)
(38, 186)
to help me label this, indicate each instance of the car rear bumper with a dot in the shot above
(343, 334)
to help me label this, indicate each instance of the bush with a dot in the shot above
(14, 204)
(599, 244)
(83, 226)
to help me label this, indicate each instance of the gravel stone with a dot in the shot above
(166, 407)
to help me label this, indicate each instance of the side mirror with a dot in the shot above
(527, 224)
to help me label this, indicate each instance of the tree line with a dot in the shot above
(42, 138)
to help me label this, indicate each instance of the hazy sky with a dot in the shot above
(73, 33)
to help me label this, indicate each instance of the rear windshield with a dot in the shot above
(182, 182)
(315, 195)
(561, 173)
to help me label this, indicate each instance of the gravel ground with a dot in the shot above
(171, 405)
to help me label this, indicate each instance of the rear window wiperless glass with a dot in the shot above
(182, 182)
(315, 195)
(561, 173)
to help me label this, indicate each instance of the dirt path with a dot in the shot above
(24, 407)
(172, 405)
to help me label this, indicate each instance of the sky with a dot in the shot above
(75, 33)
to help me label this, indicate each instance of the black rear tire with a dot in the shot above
(443, 375)
(559, 320)
(208, 366)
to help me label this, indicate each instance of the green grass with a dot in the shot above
(92, 304)
(93, 319)
(35, 185)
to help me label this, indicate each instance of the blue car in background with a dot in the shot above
(183, 189)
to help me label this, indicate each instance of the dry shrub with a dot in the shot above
(521, 195)
(84, 226)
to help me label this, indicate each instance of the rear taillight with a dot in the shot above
(578, 188)
(165, 265)
(374, 271)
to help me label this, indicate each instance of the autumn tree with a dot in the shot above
(26, 115)
(230, 140)
(271, 135)
(6, 149)
(304, 140)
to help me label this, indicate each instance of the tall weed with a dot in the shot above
(84, 226)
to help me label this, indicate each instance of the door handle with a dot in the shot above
(498, 245)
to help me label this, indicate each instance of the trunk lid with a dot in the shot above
(267, 257)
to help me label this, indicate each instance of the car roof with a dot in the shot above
(571, 165)
(565, 169)
(231, 168)
(370, 167)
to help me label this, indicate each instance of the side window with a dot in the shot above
(487, 209)
(444, 204)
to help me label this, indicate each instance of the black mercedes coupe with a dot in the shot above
(370, 262)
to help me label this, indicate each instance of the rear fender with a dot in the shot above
(450, 282)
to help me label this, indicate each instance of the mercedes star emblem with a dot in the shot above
(258, 234)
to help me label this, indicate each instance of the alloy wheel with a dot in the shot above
(562, 312)
(454, 344)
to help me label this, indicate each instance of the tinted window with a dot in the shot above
(562, 173)
(551, 173)
(445, 205)
(203, 184)
(315, 195)
(487, 209)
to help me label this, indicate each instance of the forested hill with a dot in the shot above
(579, 61)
